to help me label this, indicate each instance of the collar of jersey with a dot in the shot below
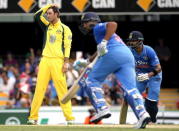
(57, 24)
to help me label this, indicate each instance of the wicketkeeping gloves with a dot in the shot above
(102, 47)
(142, 77)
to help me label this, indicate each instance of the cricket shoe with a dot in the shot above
(32, 122)
(101, 115)
(143, 121)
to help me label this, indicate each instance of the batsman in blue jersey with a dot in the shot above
(148, 71)
(114, 57)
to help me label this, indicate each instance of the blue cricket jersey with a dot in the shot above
(99, 32)
(145, 61)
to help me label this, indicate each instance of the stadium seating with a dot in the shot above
(169, 98)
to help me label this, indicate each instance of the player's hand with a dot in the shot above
(65, 67)
(102, 48)
(55, 5)
(142, 77)
(81, 63)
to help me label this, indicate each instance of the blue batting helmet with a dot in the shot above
(90, 16)
(136, 35)
(135, 39)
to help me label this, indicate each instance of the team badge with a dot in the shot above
(58, 31)
(130, 36)
(52, 38)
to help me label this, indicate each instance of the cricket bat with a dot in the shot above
(73, 90)
(123, 112)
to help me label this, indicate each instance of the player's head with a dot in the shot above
(135, 39)
(88, 21)
(53, 13)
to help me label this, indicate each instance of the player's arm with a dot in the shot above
(67, 47)
(109, 31)
(154, 62)
(156, 70)
(39, 16)
(67, 41)
(111, 28)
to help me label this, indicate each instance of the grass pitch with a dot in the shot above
(86, 128)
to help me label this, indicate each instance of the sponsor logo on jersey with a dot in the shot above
(142, 64)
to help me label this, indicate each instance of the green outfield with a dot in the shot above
(87, 128)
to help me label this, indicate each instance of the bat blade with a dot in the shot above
(71, 92)
(123, 112)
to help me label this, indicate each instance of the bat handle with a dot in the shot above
(92, 63)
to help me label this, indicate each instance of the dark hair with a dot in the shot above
(55, 10)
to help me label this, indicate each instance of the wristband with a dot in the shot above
(104, 41)
(155, 72)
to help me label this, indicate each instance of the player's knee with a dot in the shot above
(135, 97)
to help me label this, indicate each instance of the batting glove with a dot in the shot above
(81, 63)
(102, 48)
(142, 77)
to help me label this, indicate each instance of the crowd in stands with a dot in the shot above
(18, 79)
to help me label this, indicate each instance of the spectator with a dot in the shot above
(164, 55)
(37, 58)
(116, 95)
(162, 50)
(107, 93)
(6, 86)
(26, 67)
(10, 60)
(7, 83)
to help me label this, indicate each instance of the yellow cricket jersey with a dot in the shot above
(58, 37)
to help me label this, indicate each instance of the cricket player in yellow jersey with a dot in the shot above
(54, 62)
